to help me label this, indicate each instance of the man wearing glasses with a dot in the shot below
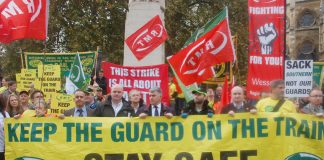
(314, 106)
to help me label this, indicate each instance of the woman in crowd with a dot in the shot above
(13, 105)
(3, 115)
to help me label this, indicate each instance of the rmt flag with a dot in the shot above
(23, 19)
(147, 38)
(214, 47)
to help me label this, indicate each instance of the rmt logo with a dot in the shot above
(17, 8)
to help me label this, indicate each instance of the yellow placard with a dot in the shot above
(49, 70)
(18, 80)
(269, 136)
(27, 77)
(49, 80)
(61, 102)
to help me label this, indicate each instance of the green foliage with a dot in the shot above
(82, 25)
(183, 17)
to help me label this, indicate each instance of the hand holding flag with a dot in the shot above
(76, 79)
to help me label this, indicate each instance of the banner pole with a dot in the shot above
(97, 65)
(43, 62)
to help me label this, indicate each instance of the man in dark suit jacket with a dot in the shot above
(238, 104)
(156, 108)
(80, 110)
(102, 82)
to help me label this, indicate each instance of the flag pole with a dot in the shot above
(43, 61)
(97, 58)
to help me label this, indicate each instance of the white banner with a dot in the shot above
(298, 77)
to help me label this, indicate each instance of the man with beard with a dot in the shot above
(198, 106)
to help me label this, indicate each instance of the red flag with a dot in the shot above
(213, 48)
(225, 95)
(177, 85)
(147, 38)
(23, 19)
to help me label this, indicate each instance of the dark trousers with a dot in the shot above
(180, 103)
(2, 156)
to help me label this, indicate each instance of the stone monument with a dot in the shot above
(140, 12)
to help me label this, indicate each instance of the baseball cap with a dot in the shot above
(199, 91)
(88, 90)
(99, 89)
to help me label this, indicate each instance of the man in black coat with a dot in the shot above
(198, 106)
(238, 104)
(115, 105)
(101, 81)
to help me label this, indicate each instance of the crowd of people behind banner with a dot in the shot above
(94, 102)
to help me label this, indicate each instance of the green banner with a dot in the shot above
(318, 73)
(65, 60)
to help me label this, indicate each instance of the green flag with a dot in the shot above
(76, 79)
(207, 27)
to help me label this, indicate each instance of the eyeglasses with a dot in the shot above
(317, 96)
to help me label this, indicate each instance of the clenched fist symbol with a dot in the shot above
(267, 34)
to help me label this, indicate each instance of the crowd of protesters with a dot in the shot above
(94, 102)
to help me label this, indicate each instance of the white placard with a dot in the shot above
(298, 77)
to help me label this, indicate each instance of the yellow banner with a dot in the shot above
(270, 136)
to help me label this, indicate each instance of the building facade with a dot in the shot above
(305, 29)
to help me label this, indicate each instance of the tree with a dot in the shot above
(76, 25)
(183, 17)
